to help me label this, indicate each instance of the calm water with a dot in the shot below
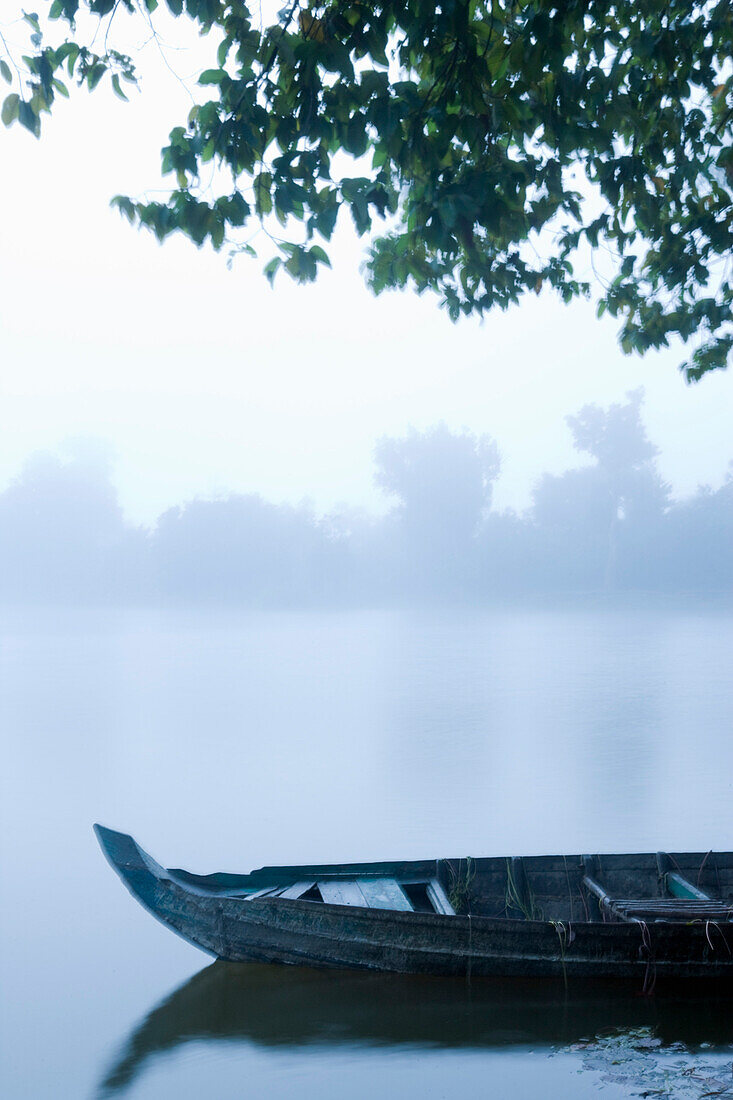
(227, 741)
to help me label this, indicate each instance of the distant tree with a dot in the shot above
(64, 539)
(62, 532)
(574, 514)
(485, 143)
(603, 520)
(443, 482)
(243, 549)
(439, 477)
(699, 541)
(510, 560)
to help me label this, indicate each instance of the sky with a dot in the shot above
(200, 381)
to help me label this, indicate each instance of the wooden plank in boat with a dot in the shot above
(439, 898)
(296, 890)
(344, 892)
(384, 893)
(266, 891)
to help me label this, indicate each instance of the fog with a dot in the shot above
(606, 526)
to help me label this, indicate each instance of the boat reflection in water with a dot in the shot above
(286, 1007)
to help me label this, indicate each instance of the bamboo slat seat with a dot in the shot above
(676, 909)
(671, 909)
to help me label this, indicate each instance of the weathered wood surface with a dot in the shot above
(384, 893)
(277, 929)
(342, 893)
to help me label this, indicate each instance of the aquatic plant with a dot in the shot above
(459, 890)
(637, 1060)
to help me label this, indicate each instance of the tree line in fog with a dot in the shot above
(610, 525)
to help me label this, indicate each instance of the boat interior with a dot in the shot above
(659, 886)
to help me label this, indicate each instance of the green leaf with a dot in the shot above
(95, 74)
(223, 50)
(10, 109)
(29, 118)
(125, 206)
(234, 208)
(356, 138)
(320, 254)
(263, 195)
(217, 234)
(271, 269)
(212, 76)
(5, 72)
(69, 52)
(117, 88)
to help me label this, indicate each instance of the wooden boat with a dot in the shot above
(641, 917)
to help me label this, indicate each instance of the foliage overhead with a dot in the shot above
(490, 147)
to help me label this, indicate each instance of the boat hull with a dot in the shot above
(298, 932)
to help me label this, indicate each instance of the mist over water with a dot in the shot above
(609, 526)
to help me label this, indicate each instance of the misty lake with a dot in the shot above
(223, 741)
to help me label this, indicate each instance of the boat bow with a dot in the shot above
(157, 891)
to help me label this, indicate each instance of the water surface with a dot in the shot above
(224, 741)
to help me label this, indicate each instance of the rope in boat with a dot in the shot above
(470, 949)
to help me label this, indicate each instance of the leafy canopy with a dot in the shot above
(490, 147)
